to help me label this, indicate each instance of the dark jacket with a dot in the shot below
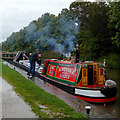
(35, 58)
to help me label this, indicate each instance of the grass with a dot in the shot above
(37, 97)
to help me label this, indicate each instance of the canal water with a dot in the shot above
(111, 110)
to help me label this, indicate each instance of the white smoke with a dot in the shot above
(68, 29)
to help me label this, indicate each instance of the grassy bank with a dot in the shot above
(45, 105)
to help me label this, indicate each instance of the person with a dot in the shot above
(34, 58)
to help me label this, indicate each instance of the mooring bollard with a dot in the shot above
(88, 108)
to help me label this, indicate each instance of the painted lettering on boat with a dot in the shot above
(65, 73)
(51, 70)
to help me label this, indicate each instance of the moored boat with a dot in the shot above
(8, 55)
(86, 78)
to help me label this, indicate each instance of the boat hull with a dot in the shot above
(92, 95)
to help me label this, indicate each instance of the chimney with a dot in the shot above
(77, 53)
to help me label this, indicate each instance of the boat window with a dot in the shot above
(5, 55)
(95, 66)
(95, 72)
(94, 76)
(101, 71)
(84, 72)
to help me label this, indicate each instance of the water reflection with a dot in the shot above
(113, 108)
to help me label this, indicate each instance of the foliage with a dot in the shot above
(93, 34)
(93, 25)
(112, 60)
(114, 24)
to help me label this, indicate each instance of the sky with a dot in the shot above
(17, 14)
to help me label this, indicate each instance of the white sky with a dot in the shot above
(16, 14)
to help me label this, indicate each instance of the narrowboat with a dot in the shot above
(86, 78)
(8, 55)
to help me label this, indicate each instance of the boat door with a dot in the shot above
(84, 75)
(93, 72)
(101, 78)
(90, 75)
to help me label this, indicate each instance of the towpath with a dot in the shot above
(13, 106)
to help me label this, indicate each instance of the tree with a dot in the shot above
(114, 24)
(93, 34)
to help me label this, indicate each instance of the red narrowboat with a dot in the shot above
(86, 78)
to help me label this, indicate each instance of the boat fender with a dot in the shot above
(110, 89)
(110, 83)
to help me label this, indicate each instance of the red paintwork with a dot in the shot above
(65, 73)
(51, 70)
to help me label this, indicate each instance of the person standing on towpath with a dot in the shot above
(34, 58)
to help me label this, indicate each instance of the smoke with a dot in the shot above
(30, 31)
(68, 31)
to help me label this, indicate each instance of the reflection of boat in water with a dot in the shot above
(85, 80)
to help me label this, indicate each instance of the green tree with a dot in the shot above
(114, 24)
(93, 33)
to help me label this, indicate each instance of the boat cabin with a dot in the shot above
(91, 74)
(82, 74)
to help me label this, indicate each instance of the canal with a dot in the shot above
(113, 108)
